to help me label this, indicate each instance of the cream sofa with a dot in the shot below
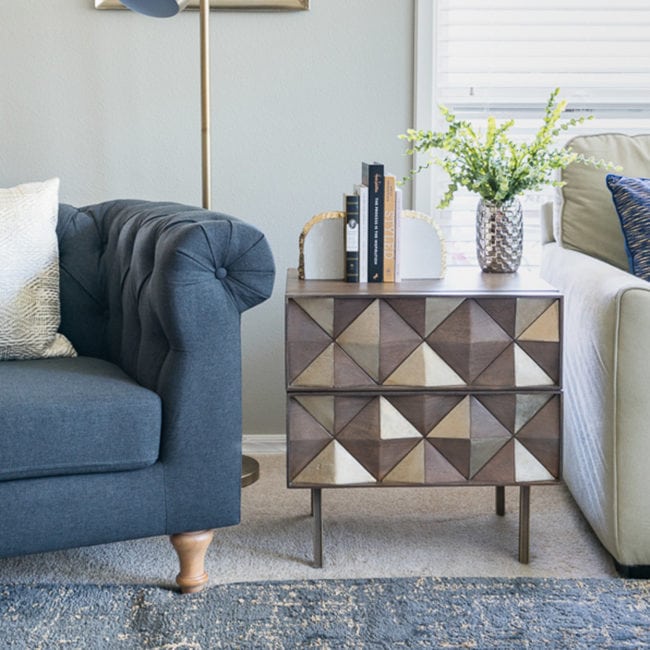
(606, 357)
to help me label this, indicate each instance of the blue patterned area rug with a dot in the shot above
(378, 613)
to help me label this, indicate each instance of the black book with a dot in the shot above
(372, 175)
(352, 228)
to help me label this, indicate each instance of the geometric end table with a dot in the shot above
(455, 381)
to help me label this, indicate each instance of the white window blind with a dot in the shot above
(504, 57)
(511, 53)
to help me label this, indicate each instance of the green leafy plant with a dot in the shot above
(492, 164)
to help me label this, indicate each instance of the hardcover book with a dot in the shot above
(351, 206)
(389, 228)
(372, 176)
(399, 206)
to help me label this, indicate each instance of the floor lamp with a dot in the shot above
(165, 9)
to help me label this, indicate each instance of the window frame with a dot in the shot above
(424, 102)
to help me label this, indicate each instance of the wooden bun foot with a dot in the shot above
(191, 549)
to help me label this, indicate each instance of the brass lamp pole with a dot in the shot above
(166, 9)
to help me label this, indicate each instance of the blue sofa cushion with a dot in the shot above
(631, 198)
(74, 416)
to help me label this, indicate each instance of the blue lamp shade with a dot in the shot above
(156, 8)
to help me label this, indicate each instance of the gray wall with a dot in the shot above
(109, 102)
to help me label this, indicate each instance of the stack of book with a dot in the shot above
(372, 227)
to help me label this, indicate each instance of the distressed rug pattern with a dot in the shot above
(376, 613)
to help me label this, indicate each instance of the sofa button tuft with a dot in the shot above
(221, 273)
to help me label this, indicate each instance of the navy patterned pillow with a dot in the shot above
(632, 202)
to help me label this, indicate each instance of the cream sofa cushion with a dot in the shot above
(29, 273)
(585, 218)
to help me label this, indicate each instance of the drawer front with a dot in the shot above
(423, 439)
(442, 342)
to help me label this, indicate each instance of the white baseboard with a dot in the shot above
(264, 444)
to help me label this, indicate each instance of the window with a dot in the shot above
(503, 58)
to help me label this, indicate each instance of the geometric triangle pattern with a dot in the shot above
(426, 438)
(320, 310)
(441, 342)
(334, 466)
(424, 368)
(469, 340)
(401, 387)
(359, 339)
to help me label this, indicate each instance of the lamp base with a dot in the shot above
(250, 471)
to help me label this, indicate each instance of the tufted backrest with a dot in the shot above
(84, 308)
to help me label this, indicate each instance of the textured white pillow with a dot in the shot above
(30, 311)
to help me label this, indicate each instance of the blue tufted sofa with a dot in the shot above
(140, 435)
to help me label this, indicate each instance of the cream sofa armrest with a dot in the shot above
(606, 405)
(572, 270)
(632, 416)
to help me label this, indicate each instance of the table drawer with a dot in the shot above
(423, 438)
(442, 342)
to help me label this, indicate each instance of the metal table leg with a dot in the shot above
(318, 527)
(524, 523)
(501, 500)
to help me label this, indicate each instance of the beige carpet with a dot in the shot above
(367, 533)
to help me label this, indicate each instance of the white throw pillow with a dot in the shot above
(30, 311)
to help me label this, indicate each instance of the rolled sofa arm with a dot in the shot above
(606, 405)
(169, 284)
(112, 252)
